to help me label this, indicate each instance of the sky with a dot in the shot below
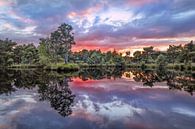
(101, 24)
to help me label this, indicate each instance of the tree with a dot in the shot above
(137, 55)
(6, 52)
(18, 54)
(30, 54)
(147, 54)
(44, 55)
(61, 41)
(128, 53)
(161, 63)
(173, 52)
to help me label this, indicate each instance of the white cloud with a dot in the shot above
(184, 111)
(115, 17)
(115, 109)
(9, 28)
(118, 17)
(184, 15)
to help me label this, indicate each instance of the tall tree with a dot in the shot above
(61, 41)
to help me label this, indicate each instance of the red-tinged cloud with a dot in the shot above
(4, 3)
(140, 2)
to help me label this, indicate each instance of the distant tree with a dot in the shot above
(137, 56)
(44, 55)
(30, 54)
(128, 53)
(186, 55)
(190, 46)
(6, 52)
(18, 53)
(147, 54)
(173, 52)
(161, 62)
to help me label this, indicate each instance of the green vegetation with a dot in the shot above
(97, 58)
(51, 51)
(62, 66)
(176, 57)
(54, 53)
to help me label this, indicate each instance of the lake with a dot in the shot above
(97, 99)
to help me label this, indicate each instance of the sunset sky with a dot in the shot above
(101, 24)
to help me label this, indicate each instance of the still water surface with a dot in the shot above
(97, 99)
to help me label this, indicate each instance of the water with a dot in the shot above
(97, 99)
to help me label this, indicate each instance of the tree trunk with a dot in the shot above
(66, 58)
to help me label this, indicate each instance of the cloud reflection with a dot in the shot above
(113, 110)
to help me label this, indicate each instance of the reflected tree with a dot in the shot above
(6, 82)
(174, 79)
(147, 77)
(59, 95)
(100, 73)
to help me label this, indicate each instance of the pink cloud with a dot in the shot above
(140, 2)
(3, 3)
(15, 15)
(86, 12)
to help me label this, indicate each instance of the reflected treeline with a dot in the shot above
(100, 73)
(51, 87)
(182, 80)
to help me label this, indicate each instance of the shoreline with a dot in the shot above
(76, 67)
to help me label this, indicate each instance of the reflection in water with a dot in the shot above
(58, 93)
(96, 98)
(175, 80)
(97, 74)
(51, 87)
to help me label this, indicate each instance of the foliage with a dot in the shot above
(58, 45)
(93, 57)
(161, 65)
(44, 54)
(6, 52)
(174, 54)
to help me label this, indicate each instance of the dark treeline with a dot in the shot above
(174, 55)
(56, 48)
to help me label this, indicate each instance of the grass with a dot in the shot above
(96, 65)
(74, 67)
(62, 67)
(24, 66)
(181, 66)
(57, 66)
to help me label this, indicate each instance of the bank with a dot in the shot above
(75, 67)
